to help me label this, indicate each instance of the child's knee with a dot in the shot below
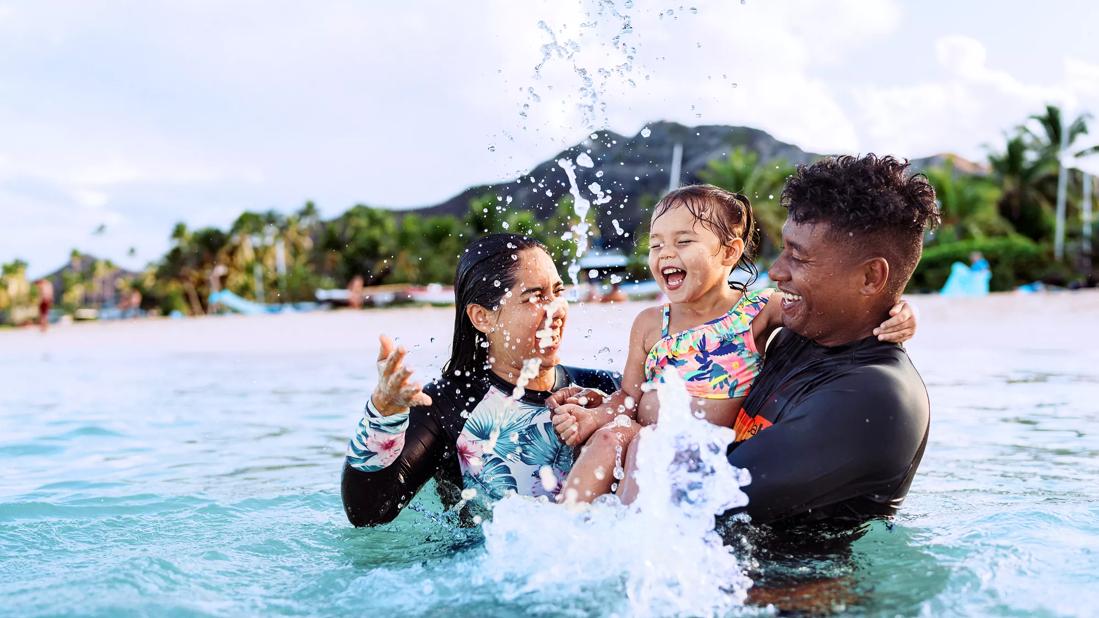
(613, 435)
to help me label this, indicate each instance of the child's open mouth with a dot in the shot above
(673, 277)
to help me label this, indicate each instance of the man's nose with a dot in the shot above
(778, 270)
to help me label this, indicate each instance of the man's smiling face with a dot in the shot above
(820, 281)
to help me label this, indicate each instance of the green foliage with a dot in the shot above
(1029, 185)
(15, 290)
(557, 233)
(364, 241)
(1014, 260)
(967, 204)
(742, 172)
(638, 268)
(486, 215)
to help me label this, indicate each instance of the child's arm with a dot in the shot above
(575, 423)
(897, 329)
(901, 326)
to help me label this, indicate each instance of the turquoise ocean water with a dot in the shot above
(192, 468)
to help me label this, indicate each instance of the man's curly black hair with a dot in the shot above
(870, 203)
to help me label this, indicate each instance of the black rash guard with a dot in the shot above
(473, 439)
(831, 433)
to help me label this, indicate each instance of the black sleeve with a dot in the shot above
(372, 498)
(606, 381)
(858, 436)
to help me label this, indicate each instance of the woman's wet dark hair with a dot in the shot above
(486, 261)
(728, 215)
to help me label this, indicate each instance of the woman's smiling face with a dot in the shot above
(520, 330)
(686, 258)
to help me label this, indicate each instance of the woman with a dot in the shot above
(483, 427)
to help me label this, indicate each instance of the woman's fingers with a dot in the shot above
(394, 361)
(561, 396)
(412, 395)
(400, 376)
(385, 347)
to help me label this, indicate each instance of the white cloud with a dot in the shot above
(968, 104)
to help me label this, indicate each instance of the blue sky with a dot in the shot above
(135, 115)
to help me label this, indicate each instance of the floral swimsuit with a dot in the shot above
(718, 359)
(473, 436)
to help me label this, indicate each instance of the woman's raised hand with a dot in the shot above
(395, 392)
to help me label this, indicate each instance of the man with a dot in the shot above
(837, 421)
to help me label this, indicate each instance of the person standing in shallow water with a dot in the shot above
(482, 428)
(45, 301)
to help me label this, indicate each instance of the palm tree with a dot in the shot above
(743, 173)
(967, 204)
(1029, 183)
(1047, 135)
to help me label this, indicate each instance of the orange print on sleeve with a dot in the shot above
(747, 426)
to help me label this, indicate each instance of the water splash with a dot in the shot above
(579, 232)
(530, 370)
(661, 553)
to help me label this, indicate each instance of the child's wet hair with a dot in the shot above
(728, 215)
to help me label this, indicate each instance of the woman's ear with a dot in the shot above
(480, 318)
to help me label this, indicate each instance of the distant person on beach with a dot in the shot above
(45, 301)
(712, 333)
(482, 429)
(977, 261)
(615, 295)
(355, 292)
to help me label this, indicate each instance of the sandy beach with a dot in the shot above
(596, 333)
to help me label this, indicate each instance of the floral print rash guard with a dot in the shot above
(474, 435)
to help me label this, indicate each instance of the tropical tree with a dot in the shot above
(742, 172)
(967, 204)
(361, 241)
(15, 290)
(1047, 129)
(1028, 182)
(560, 233)
(486, 215)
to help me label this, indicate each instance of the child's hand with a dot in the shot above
(901, 326)
(575, 423)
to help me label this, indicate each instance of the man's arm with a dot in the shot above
(858, 436)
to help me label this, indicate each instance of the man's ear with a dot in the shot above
(480, 317)
(875, 273)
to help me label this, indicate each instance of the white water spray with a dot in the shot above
(661, 553)
(580, 206)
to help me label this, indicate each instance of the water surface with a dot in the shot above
(192, 467)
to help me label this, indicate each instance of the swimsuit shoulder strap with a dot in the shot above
(665, 320)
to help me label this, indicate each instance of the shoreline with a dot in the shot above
(941, 321)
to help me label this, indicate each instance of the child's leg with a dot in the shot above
(627, 489)
(593, 473)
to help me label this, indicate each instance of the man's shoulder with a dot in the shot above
(885, 379)
(604, 380)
